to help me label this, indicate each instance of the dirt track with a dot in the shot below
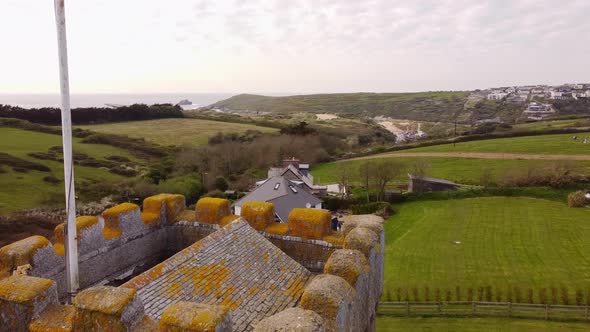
(480, 155)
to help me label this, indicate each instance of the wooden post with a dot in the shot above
(439, 307)
(408, 308)
(546, 312)
(509, 309)
(587, 305)
(473, 307)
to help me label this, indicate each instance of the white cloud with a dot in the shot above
(295, 45)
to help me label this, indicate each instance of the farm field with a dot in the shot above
(499, 242)
(551, 124)
(28, 190)
(460, 170)
(395, 324)
(175, 131)
(544, 144)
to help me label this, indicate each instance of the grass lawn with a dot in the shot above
(551, 124)
(175, 131)
(28, 190)
(460, 170)
(504, 241)
(396, 324)
(544, 144)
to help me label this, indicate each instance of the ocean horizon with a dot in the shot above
(102, 99)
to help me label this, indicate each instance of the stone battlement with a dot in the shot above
(204, 270)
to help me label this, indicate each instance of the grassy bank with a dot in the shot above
(496, 241)
(175, 131)
(394, 324)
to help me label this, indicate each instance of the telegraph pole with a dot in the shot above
(71, 245)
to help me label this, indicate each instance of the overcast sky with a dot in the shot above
(303, 46)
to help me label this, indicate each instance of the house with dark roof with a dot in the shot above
(284, 193)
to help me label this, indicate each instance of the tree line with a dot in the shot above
(88, 115)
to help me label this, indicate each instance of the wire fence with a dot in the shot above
(486, 309)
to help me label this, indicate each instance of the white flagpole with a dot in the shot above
(71, 246)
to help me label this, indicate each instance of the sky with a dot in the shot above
(298, 46)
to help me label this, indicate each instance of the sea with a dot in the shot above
(103, 100)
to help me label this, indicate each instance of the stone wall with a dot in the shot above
(125, 239)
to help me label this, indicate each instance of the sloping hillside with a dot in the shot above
(425, 106)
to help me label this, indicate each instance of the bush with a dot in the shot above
(187, 185)
(120, 159)
(577, 199)
(124, 171)
(221, 183)
(382, 209)
(51, 179)
(215, 193)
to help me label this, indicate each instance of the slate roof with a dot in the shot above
(432, 180)
(234, 266)
(283, 197)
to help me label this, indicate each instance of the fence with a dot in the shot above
(486, 309)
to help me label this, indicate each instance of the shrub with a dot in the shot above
(187, 185)
(124, 171)
(565, 297)
(120, 159)
(51, 179)
(543, 295)
(577, 199)
(221, 183)
(382, 209)
(579, 297)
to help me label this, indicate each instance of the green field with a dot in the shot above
(551, 124)
(544, 144)
(503, 242)
(28, 190)
(175, 131)
(395, 324)
(460, 170)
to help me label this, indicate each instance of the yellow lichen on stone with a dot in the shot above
(112, 228)
(326, 294)
(188, 316)
(228, 219)
(55, 318)
(336, 239)
(309, 223)
(149, 218)
(211, 210)
(23, 289)
(174, 204)
(82, 223)
(258, 214)
(20, 253)
(186, 215)
(277, 229)
(104, 299)
(362, 239)
(348, 264)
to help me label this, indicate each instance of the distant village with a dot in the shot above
(536, 97)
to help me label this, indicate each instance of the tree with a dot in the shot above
(366, 172)
(384, 172)
(344, 173)
(221, 184)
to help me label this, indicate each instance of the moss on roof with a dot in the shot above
(55, 318)
(174, 204)
(20, 253)
(227, 219)
(348, 264)
(362, 239)
(188, 316)
(211, 210)
(23, 289)
(309, 223)
(277, 229)
(112, 229)
(82, 223)
(105, 299)
(258, 214)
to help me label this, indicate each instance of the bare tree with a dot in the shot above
(420, 167)
(366, 170)
(344, 174)
(384, 172)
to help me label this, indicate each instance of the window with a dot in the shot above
(277, 186)
(293, 188)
